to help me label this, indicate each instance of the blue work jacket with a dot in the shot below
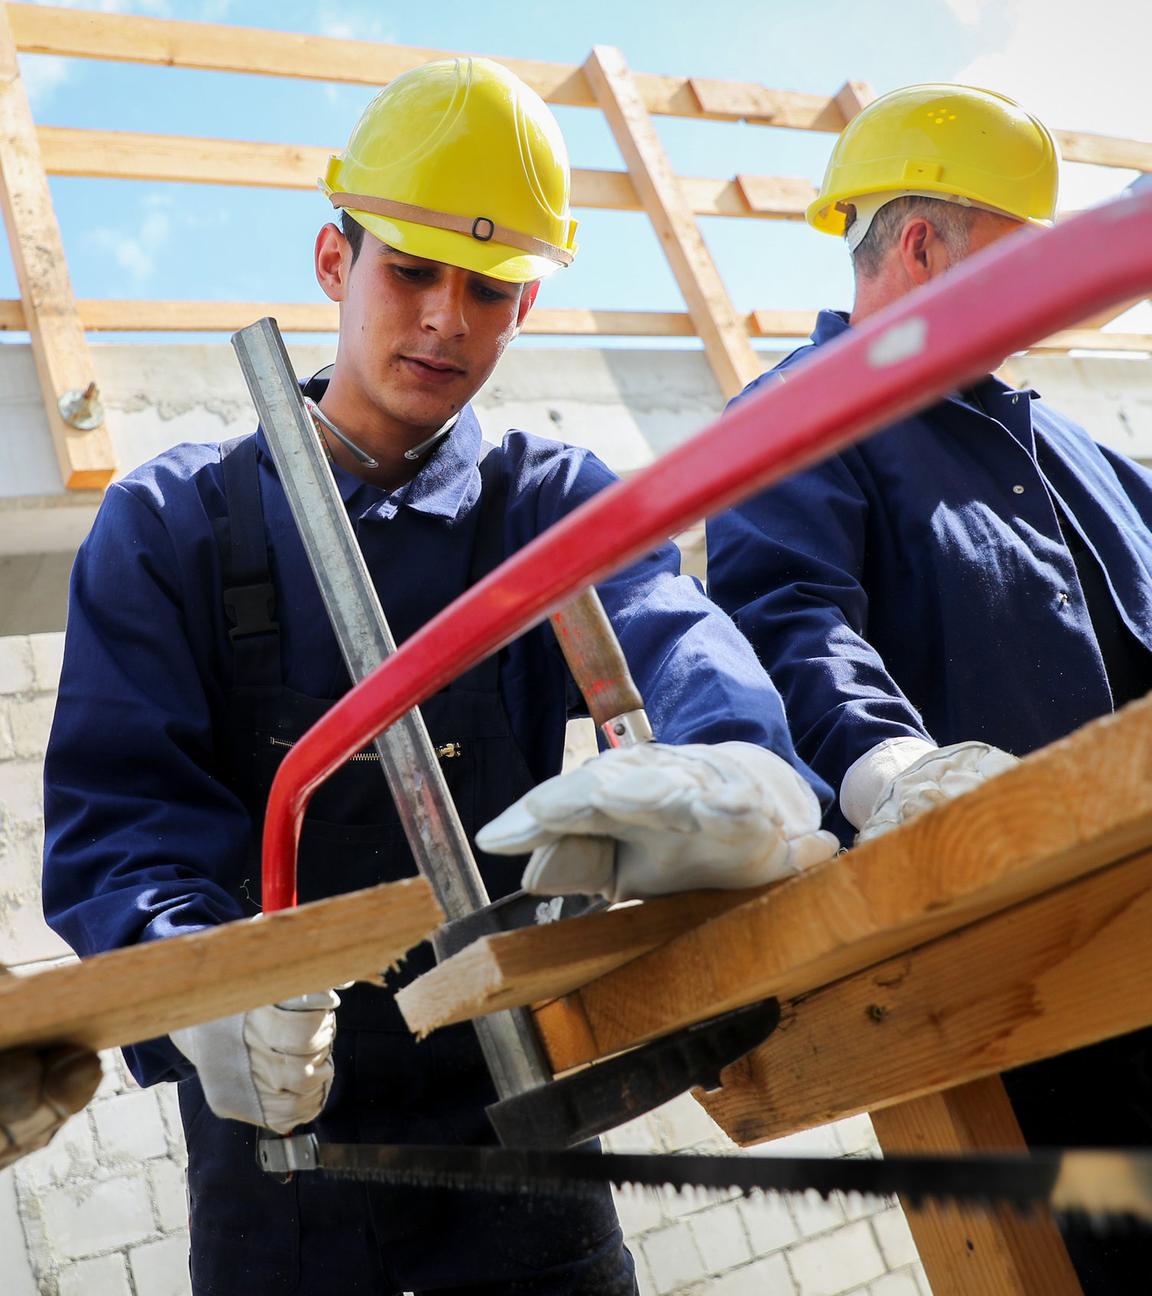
(140, 828)
(919, 583)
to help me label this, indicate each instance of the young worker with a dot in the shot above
(969, 584)
(180, 694)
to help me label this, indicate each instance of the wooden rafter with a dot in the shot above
(63, 363)
(723, 332)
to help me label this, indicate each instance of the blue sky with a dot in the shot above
(1076, 66)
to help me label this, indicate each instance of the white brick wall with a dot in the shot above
(102, 1211)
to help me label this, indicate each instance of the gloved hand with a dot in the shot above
(271, 1066)
(903, 777)
(651, 819)
(39, 1090)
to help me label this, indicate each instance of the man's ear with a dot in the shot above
(333, 257)
(527, 301)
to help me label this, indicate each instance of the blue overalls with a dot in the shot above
(252, 1234)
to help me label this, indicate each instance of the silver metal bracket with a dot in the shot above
(284, 1156)
(628, 729)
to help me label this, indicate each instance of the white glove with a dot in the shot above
(903, 777)
(39, 1091)
(271, 1066)
(647, 820)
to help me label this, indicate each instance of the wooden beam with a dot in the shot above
(148, 990)
(42, 29)
(852, 98)
(975, 1252)
(1063, 970)
(123, 315)
(1087, 339)
(723, 332)
(1062, 813)
(133, 155)
(1105, 150)
(63, 363)
(553, 959)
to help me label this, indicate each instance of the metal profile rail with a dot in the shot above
(1002, 300)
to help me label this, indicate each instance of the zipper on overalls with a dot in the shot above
(446, 751)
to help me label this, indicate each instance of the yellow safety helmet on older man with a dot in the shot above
(953, 142)
(459, 161)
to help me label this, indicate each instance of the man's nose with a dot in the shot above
(444, 307)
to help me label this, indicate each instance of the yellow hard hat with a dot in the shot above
(459, 161)
(951, 140)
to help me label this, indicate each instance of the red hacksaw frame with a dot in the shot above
(1024, 288)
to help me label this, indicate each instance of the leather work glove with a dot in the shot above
(903, 777)
(270, 1066)
(39, 1090)
(651, 819)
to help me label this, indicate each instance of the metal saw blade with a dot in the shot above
(1113, 1185)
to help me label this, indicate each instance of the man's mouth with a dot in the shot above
(431, 370)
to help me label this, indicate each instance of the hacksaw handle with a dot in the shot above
(597, 663)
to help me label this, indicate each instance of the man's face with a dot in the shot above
(418, 338)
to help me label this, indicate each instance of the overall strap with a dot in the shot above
(487, 555)
(249, 591)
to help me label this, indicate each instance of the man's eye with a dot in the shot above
(487, 294)
(412, 274)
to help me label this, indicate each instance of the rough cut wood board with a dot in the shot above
(1065, 811)
(1055, 973)
(556, 957)
(148, 990)
(973, 1252)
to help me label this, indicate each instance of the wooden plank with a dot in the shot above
(63, 363)
(974, 1252)
(148, 990)
(781, 323)
(553, 959)
(134, 155)
(1088, 339)
(1105, 150)
(1064, 812)
(1055, 973)
(723, 332)
(783, 197)
(42, 29)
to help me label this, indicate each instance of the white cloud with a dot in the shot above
(43, 75)
(969, 12)
(136, 252)
(1078, 67)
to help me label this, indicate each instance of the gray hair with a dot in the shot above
(952, 222)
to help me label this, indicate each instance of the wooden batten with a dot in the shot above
(555, 958)
(147, 990)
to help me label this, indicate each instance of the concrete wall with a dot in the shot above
(101, 1212)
